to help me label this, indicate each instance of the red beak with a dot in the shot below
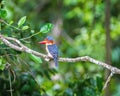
(43, 42)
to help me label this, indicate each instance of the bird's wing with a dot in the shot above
(53, 50)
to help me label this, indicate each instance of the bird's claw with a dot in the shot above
(48, 58)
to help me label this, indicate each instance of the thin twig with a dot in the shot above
(30, 36)
(8, 67)
(28, 69)
(11, 94)
(9, 55)
(1, 20)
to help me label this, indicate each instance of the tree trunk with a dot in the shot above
(108, 41)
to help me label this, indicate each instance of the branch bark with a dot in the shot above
(108, 80)
(17, 45)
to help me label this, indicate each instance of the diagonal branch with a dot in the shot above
(108, 80)
(89, 59)
(17, 45)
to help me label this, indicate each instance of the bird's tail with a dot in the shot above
(56, 62)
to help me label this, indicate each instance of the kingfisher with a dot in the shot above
(51, 48)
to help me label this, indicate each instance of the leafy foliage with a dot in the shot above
(80, 24)
(3, 13)
(46, 28)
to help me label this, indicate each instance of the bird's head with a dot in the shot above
(48, 41)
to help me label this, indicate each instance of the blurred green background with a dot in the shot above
(79, 30)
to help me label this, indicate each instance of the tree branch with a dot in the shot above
(17, 45)
(108, 80)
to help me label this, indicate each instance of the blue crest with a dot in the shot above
(49, 38)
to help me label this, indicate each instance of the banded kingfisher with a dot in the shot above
(51, 48)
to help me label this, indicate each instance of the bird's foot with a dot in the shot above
(47, 59)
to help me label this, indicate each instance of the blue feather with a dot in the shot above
(53, 50)
(56, 62)
(49, 38)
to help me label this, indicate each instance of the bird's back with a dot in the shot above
(53, 50)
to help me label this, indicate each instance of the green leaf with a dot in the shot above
(46, 28)
(35, 58)
(32, 31)
(21, 21)
(0, 62)
(25, 87)
(69, 92)
(99, 83)
(11, 22)
(25, 27)
(3, 13)
(2, 66)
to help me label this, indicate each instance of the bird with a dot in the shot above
(51, 48)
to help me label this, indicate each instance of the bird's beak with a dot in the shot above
(43, 42)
